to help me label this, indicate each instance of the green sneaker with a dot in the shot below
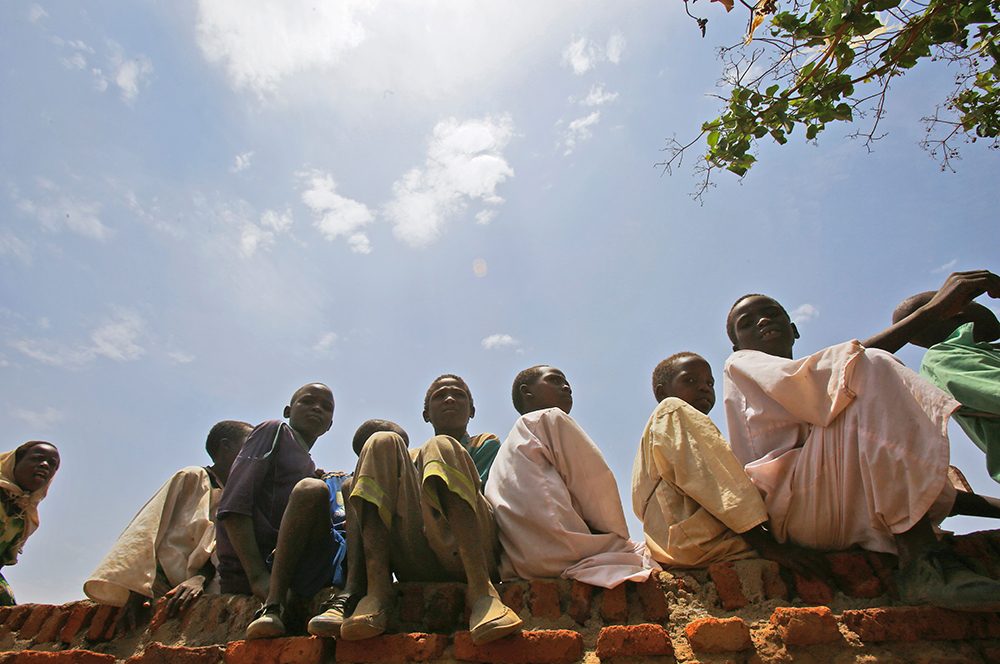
(942, 577)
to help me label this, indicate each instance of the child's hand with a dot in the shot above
(184, 594)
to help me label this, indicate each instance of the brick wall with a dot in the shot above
(734, 613)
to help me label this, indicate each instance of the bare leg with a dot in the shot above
(462, 521)
(357, 576)
(972, 504)
(375, 537)
(306, 520)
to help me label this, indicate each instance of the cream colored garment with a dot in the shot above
(690, 492)
(27, 501)
(176, 529)
(557, 506)
(847, 446)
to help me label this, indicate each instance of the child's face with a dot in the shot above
(449, 407)
(36, 467)
(551, 390)
(311, 411)
(762, 324)
(693, 383)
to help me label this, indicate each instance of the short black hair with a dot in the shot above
(225, 430)
(458, 379)
(526, 377)
(666, 370)
(23, 449)
(731, 324)
(370, 427)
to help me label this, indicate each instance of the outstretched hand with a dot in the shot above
(961, 288)
(184, 594)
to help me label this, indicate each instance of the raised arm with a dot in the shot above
(959, 289)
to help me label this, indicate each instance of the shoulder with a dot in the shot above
(481, 439)
(336, 474)
(669, 406)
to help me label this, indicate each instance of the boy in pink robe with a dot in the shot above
(849, 447)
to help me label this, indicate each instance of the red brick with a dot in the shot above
(159, 615)
(156, 653)
(884, 565)
(814, 591)
(805, 627)
(653, 599)
(39, 614)
(411, 604)
(62, 657)
(53, 625)
(580, 597)
(393, 649)
(512, 595)
(614, 604)
(18, 616)
(774, 585)
(544, 599)
(445, 608)
(293, 650)
(102, 625)
(540, 647)
(715, 635)
(979, 549)
(5, 613)
(854, 575)
(671, 583)
(79, 617)
(633, 641)
(918, 623)
(727, 584)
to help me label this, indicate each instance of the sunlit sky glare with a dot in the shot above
(208, 203)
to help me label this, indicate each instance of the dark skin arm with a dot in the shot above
(239, 527)
(807, 563)
(959, 289)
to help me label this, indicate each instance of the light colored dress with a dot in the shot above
(847, 446)
(557, 506)
(690, 492)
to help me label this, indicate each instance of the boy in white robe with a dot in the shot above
(168, 547)
(555, 499)
(849, 447)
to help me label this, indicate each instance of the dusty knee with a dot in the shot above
(310, 490)
(381, 442)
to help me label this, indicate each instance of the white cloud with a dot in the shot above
(483, 217)
(129, 71)
(580, 130)
(36, 13)
(598, 96)
(56, 210)
(116, 338)
(75, 61)
(326, 342)
(947, 267)
(11, 244)
(583, 55)
(100, 80)
(256, 236)
(464, 162)
(261, 41)
(423, 49)
(499, 341)
(804, 313)
(43, 420)
(335, 215)
(242, 162)
(180, 357)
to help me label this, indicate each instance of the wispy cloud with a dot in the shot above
(242, 162)
(947, 267)
(261, 42)
(116, 338)
(180, 357)
(336, 216)
(36, 13)
(43, 420)
(255, 236)
(598, 97)
(579, 130)
(804, 313)
(464, 163)
(583, 54)
(495, 341)
(56, 211)
(131, 73)
(326, 342)
(11, 244)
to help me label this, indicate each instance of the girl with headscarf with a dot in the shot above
(25, 475)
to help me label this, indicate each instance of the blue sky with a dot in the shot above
(210, 203)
